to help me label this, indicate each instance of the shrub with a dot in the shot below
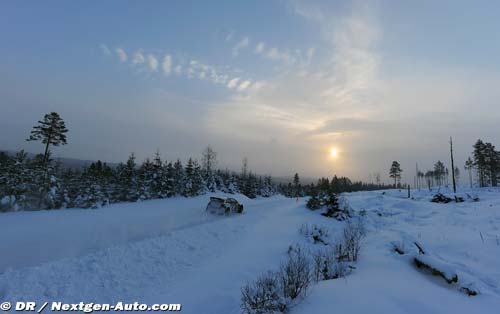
(351, 240)
(337, 208)
(263, 296)
(295, 274)
(314, 203)
(328, 265)
(315, 233)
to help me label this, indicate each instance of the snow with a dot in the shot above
(171, 251)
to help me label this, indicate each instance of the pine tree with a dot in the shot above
(51, 131)
(395, 172)
(296, 185)
(178, 177)
(469, 165)
(146, 181)
(188, 188)
(479, 155)
(159, 178)
(128, 181)
(169, 186)
(439, 172)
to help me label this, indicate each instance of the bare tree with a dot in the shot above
(209, 161)
(244, 167)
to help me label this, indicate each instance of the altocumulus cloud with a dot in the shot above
(152, 63)
(138, 57)
(167, 64)
(240, 45)
(122, 55)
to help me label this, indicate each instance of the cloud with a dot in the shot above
(138, 57)
(122, 55)
(152, 63)
(306, 104)
(274, 53)
(233, 83)
(178, 69)
(229, 36)
(310, 54)
(192, 69)
(240, 45)
(284, 56)
(105, 49)
(167, 64)
(260, 47)
(244, 85)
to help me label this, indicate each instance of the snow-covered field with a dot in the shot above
(171, 251)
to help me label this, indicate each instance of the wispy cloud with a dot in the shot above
(105, 49)
(301, 103)
(229, 36)
(152, 63)
(259, 48)
(244, 86)
(284, 56)
(233, 83)
(281, 55)
(138, 57)
(122, 55)
(240, 45)
(223, 76)
(167, 64)
(178, 69)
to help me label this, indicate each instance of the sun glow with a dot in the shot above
(333, 152)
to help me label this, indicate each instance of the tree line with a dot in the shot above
(335, 185)
(42, 183)
(482, 168)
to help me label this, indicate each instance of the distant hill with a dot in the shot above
(286, 179)
(72, 163)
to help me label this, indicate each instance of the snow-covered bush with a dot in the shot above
(327, 265)
(265, 295)
(351, 240)
(314, 203)
(315, 233)
(275, 292)
(295, 274)
(337, 208)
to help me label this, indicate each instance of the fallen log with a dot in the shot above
(436, 267)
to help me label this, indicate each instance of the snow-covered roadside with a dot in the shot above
(386, 282)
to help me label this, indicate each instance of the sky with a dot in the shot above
(280, 82)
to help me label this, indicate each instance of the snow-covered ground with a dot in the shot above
(171, 251)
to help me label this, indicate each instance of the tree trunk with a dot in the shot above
(452, 166)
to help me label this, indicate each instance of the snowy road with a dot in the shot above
(170, 251)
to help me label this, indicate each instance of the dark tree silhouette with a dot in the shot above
(50, 131)
(395, 172)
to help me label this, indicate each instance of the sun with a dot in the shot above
(333, 152)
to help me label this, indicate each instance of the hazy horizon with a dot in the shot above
(280, 82)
